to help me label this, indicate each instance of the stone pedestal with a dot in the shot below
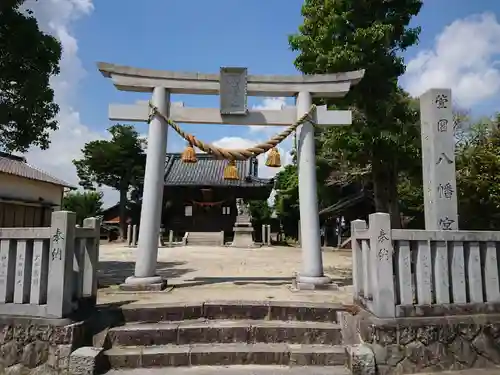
(243, 230)
(243, 237)
(313, 283)
(145, 284)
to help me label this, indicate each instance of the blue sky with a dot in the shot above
(201, 35)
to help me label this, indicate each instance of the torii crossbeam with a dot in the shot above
(233, 85)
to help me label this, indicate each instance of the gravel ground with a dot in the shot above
(197, 273)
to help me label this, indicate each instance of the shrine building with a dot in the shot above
(197, 197)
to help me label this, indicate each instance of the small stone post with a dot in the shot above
(62, 242)
(268, 235)
(91, 260)
(129, 235)
(438, 160)
(160, 237)
(381, 254)
(339, 231)
(298, 233)
(170, 238)
(134, 235)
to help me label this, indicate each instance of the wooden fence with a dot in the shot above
(50, 271)
(394, 269)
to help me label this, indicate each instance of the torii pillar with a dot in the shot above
(233, 85)
(311, 276)
(145, 276)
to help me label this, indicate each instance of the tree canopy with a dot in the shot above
(85, 204)
(28, 59)
(341, 36)
(478, 177)
(118, 163)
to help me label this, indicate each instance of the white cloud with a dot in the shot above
(268, 103)
(464, 58)
(271, 103)
(257, 132)
(263, 170)
(56, 17)
(261, 134)
(284, 148)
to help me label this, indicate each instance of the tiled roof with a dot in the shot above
(210, 172)
(17, 166)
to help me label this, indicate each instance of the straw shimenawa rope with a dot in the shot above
(234, 154)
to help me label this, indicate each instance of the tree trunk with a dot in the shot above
(123, 213)
(385, 189)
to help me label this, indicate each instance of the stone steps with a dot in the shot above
(226, 354)
(204, 239)
(203, 243)
(232, 310)
(237, 370)
(224, 331)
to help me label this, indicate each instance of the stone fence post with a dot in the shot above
(381, 260)
(61, 258)
(91, 260)
(357, 259)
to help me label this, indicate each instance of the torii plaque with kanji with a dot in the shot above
(233, 91)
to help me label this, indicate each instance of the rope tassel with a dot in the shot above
(230, 171)
(273, 158)
(234, 154)
(189, 154)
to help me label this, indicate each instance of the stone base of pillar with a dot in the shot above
(153, 283)
(313, 283)
(243, 237)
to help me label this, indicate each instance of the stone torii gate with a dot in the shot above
(233, 85)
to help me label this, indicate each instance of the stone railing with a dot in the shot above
(402, 273)
(49, 272)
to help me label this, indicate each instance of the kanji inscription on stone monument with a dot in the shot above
(438, 160)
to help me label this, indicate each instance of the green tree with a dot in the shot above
(85, 204)
(478, 177)
(478, 185)
(261, 213)
(339, 36)
(28, 58)
(118, 163)
(286, 201)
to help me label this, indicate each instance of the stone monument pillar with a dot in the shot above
(243, 230)
(438, 160)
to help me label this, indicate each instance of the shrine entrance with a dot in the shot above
(233, 85)
(205, 217)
